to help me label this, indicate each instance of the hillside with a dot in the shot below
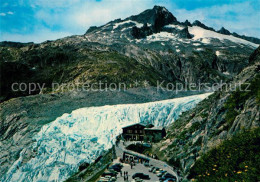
(145, 48)
(139, 52)
(222, 130)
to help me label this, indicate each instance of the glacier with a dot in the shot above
(62, 145)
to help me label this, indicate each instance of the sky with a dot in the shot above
(41, 20)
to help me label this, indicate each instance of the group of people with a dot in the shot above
(125, 175)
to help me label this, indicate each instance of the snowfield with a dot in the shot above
(205, 36)
(81, 136)
(139, 25)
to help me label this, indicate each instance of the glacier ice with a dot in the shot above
(82, 136)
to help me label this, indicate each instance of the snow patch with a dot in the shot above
(196, 44)
(226, 73)
(205, 36)
(174, 26)
(162, 36)
(139, 25)
(218, 53)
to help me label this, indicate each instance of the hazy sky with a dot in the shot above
(40, 20)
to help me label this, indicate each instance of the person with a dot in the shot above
(121, 173)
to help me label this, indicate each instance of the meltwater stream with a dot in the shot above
(82, 135)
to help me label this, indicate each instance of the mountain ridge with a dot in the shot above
(166, 50)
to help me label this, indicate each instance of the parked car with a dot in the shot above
(113, 179)
(151, 169)
(146, 164)
(112, 174)
(167, 176)
(116, 167)
(141, 176)
(155, 169)
(118, 164)
(161, 173)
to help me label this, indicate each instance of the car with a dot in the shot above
(118, 164)
(146, 164)
(113, 179)
(151, 169)
(116, 167)
(167, 176)
(155, 169)
(109, 174)
(161, 173)
(141, 176)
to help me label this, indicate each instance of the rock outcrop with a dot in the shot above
(224, 31)
(229, 111)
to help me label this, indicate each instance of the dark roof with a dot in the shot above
(159, 128)
(140, 124)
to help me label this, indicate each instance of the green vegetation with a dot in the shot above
(238, 98)
(237, 159)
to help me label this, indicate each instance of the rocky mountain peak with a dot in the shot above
(199, 24)
(157, 15)
(224, 31)
(187, 23)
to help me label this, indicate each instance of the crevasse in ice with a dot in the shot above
(81, 136)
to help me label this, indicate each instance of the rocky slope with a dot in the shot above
(222, 116)
(152, 46)
(149, 47)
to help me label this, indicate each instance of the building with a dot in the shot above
(134, 132)
(154, 134)
(142, 132)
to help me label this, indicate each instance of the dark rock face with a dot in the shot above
(224, 31)
(199, 24)
(187, 23)
(91, 29)
(251, 39)
(142, 32)
(254, 57)
(184, 33)
(83, 166)
(158, 15)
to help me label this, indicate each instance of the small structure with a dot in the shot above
(154, 134)
(134, 132)
(142, 132)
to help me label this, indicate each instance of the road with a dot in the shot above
(120, 148)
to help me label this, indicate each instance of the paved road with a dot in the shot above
(137, 168)
(140, 167)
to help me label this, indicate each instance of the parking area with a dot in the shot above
(138, 168)
(143, 167)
